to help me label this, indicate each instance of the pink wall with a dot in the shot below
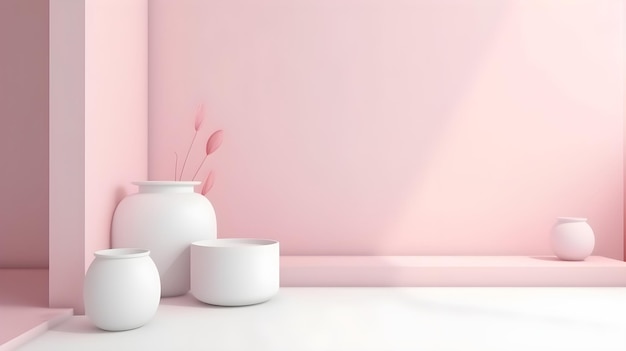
(24, 133)
(116, 111)
(98, 129)
(397, 127)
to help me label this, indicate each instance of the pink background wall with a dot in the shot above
(98, 129)
(116, 111)
(397, 127)
(24, 133)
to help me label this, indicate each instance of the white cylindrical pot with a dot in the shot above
(165, 217)
(234, 272)
(572, 238)
(122, 289)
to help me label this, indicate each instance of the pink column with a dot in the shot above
(98, 129)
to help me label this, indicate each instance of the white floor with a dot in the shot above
(502, 319)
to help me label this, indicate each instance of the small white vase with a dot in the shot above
(235, 272)
(122, 289)
(165, 217)
(572, 239)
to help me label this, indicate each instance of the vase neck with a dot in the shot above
(161, 187)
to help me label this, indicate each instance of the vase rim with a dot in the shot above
(121, 253)
(572, 219)
(235, 243)
(167, 182)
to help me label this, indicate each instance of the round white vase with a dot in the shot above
(572, 238)
(122, 289)
(165, 217)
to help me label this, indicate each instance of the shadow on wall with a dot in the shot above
(387, 128)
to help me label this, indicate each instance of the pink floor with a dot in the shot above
(24, 311)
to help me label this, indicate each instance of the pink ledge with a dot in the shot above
(450, 271)
(24, 311)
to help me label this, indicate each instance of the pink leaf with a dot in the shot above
(214, 142)
(208, 183)
(199, 117)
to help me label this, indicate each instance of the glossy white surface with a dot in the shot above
(235, 272)
(572, 239)
(165, 217)
(122, 289)
(372, 319)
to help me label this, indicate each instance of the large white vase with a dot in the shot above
(165, 217)
(572, 238)
(121, 289)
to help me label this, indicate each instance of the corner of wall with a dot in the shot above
(98, 130)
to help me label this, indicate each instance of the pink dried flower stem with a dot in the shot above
(212, 144)
(197, 125)
(186, 157)
(175, 165)
(199, 167)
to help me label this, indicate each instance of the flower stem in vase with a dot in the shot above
(197, 125)
(212, 144)
(175, 165)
